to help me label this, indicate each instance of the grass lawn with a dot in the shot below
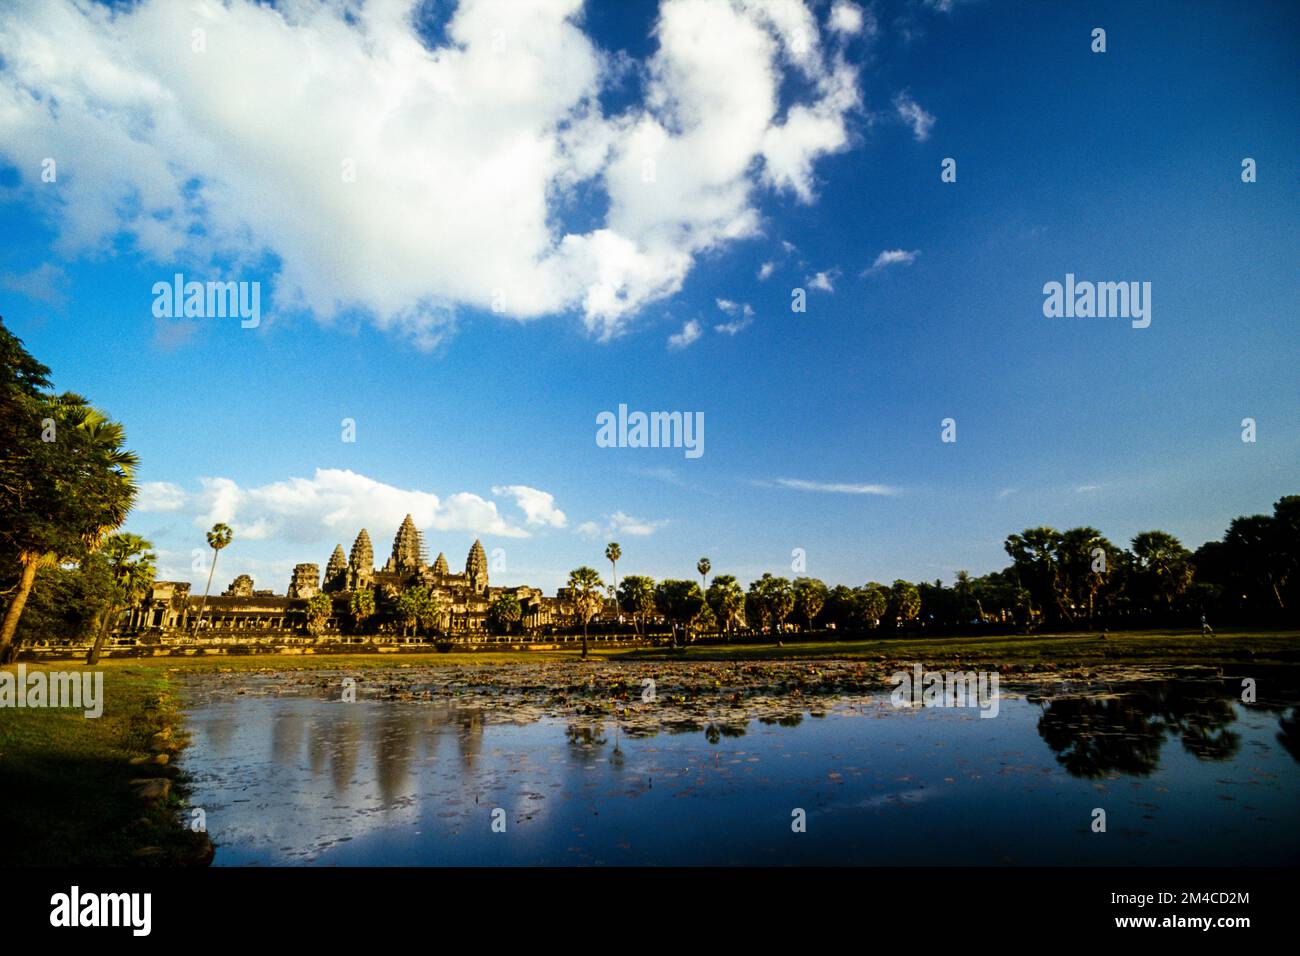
(65, 779)
(1124, 647)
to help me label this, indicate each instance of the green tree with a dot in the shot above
(681, 602)
(586, 586)
(1035, 554)
(904, 601)
(67, 602)
(769, 601)
(65, 478)
(703, 567)
(1164, 567)
(809, 598)
(412, 608)
(505, 612)
(131, 567)
(726, 598)
(873, 602)
(636, 596)
(218, 538)
(612, 553)
(361, 605)
(319, 609)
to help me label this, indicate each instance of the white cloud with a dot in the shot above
(741, 313)
(914, 116)
(894, 257)
(620, 523)
(733, 328)
(538, 506)
(735, 309)
(765, 270)
(46, 283)
(335, 504)
(846, 17)
(823, 281)
(840, 488)
(466, 157)
(689, 333)
(160, 496)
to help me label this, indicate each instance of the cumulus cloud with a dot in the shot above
(619, 523)
(822, 281)
(894, 257)
(160, 496)
(765, 270)
(847, 18)
(742, 315)
(911, 113)
(538, 506)
(335, 504)
(381, 175)
(839, 488)
(689, 333)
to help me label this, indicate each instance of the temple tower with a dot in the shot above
(336, 572)
(361, 564)
(476, 568)
(305, 582)
(242, 586)
(440, 565)
(408, 549)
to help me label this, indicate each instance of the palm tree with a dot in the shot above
(727, 600)
(586, 586)
(612, 553)
(636, 596)
(218, 538)
(704, 567)
(77, 489)
(131, 564)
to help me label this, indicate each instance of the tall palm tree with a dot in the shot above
(586, 586)
(704, 567)
(612, 553)
(218, 538)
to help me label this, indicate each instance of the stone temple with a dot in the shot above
(462, 598)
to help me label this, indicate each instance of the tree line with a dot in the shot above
(1068, 579)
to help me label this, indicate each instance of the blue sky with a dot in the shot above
(1115, 166)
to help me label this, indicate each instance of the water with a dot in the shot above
(1186, 775)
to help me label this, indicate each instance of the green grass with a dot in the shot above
(1124, 647)
(65, 794)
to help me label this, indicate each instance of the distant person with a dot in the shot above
(1206, 630)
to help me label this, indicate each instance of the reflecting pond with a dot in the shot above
(1186, 775)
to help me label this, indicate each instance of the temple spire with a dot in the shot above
(361, 565)
(408, 549)
(336, 571)
(476, 569)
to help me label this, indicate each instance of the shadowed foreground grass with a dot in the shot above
(65, 780)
